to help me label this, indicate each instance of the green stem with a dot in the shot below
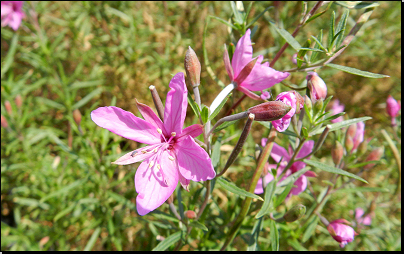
(396, 156)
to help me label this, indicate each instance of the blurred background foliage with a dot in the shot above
(59, 190)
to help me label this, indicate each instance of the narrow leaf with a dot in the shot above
(92, 240)
(64, 190)
(87, 98)
(357, 4)
(225, 125)
(341, 26)
(318, 45)
(253, 241)
(287, 36)
(283, 195)
(205, 114)
(236, 13)
(266, 206)
(310, 229)
(236, 190)
(362, 189)
(359, 165)
(168, 242)
(274, 235)
(193, 105)
(257, 17)
(217, 110)
(197, 224)
(356, 71)
(339, 125)
(9, 59)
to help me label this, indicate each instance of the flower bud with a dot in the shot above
(351, 130)
(340, 232)
(299, 101)
(245, 71)
(294, 58)
(337, 152)
(8, 107)
(307, 101)
(348, 143)
(77, 116)
(4, 123)
(374, 155)
(392, 106)
(318, 105)
(296, 213)
(190, 214)
(269, 111)
(363, 147)
(192, 67)
(317, 87)
(18, 101)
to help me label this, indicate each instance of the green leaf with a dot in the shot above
(357, 4)
(64, 190)
(332, 117)
(356, 71)
(290, 179)
(359, 165)
(9, 59)
(64, 212)
(120, 199)
(253, 241)
(266, 206)
(310, 229)
(225, 125)
(318, 45)
(199, 225)
(287, 36)
(168, 242)
(216, 152)
(236, 190)
(217, 110)
(318, 14)
(341, 27)
(311, 49)
(302, 52)
(83, 84)
(224, 22)
(93, 239)
(362, 189)
(289, 133)
(333, 170)
(284, 194)
(274, 235)
(308, 113)
(339, 125)
(180, 205)
(205, 113)
(31, 202)
(257, 17)
(296, 245)
(193, 105)
(87, 98)
(50, 103)
(331, 33)
(236, 13)
(305, 133)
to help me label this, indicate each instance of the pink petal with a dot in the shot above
(176, 104)
(6, 9)
(259, 189)
(125, 124)
(264, 141)
(359, 213)
(153, 188)
(184, 182)
(151, 117)
(15, 21)
(310, 174)
(301, 185)
(194, 131)
(248, 93)
(282, 124)
(193, 162)
(242, 54)
(278, 152)
(137, 155)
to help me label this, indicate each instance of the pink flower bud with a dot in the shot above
(77, 116)
(392, 106)
(299, 101)
(18, 101)
(317, 87)
(265, 95)
(4, 123)
(341, 233)
(8, 107)
(192, 67)
(351, 130)
(190, 214)
(348, 143)
(337, 152)
(374, 155)
(294, 58)
(269, 111)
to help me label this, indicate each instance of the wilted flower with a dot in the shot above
(172, 154)
(341, 233)
(277, 153)
(336, 109)
(366, 220)
(292, 99)
(12, 14)
(317, 87)
(248, 74)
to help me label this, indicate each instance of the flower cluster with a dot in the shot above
(12, 14)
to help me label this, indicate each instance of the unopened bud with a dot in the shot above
(269, 111)
(317, 87)
(190, 214)
(4, 123)
(351, 130)
(348, 143)
(299, 101)
(8, 107)
(392, 106)
(245, 72)
(294, 58)
(374, 155)
(318, 105)
(296, 213)
(77, 116)
(192, 67)
(337, 152)
(308, 103)
(18, 101)
(363, 147)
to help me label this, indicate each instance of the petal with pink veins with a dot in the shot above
(301, 185)
(278, 152)
(151, 117)
(193, 162)
(242, 54)
(125, 124)
(194, 131)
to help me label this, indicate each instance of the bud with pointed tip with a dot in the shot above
(340, 232)
(392, 106)
(296, 213)
(363, 147)
(269, 111)
(190, 214)
(227, 64)
(299, 101)
(307, 101)
(351, 130)
(192, 67)
(317, 87)
(318, 105)
(77, 116)
(4, 122)
(245, 72)
(337, 152)
(8, 107)
(294, 58)
(348, 143)
(374, 155)
(18, 101)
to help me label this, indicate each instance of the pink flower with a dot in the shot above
(259, 78)
(171, 155)
(317, 87)
(340, 232)
(265, 95)
(336, 109)
(277, 153)
(367, 220)
(12, 14)
(359, 135)
(294, 58)
(392, 106)
(290, 99)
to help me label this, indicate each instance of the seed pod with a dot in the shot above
(269, 111)
(192, 67)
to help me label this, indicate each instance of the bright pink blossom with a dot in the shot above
(392, 106)
(359, 135)
(367, 220)
(172, 155)
(277, 153)
(261, 76)
(290, 99)
(341, 233)
(12, 14)
(336, 109)
(317, 87)
(294, 58)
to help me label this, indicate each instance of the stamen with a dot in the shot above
(171, 157)
(144, 151)
(159, 131)
(173, 134)
(158, 166)
(155, 150)
(133, 154)
(151, 164)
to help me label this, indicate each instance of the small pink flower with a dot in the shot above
(277, 153)
(294, 58)
(336, 109)
(172, 155)
(359, 135)
(317, 87)
(367, 220)
(265, 95)
(290, 99)
(261, 76)
(341, 233)
(392, 106)
(12, 14)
